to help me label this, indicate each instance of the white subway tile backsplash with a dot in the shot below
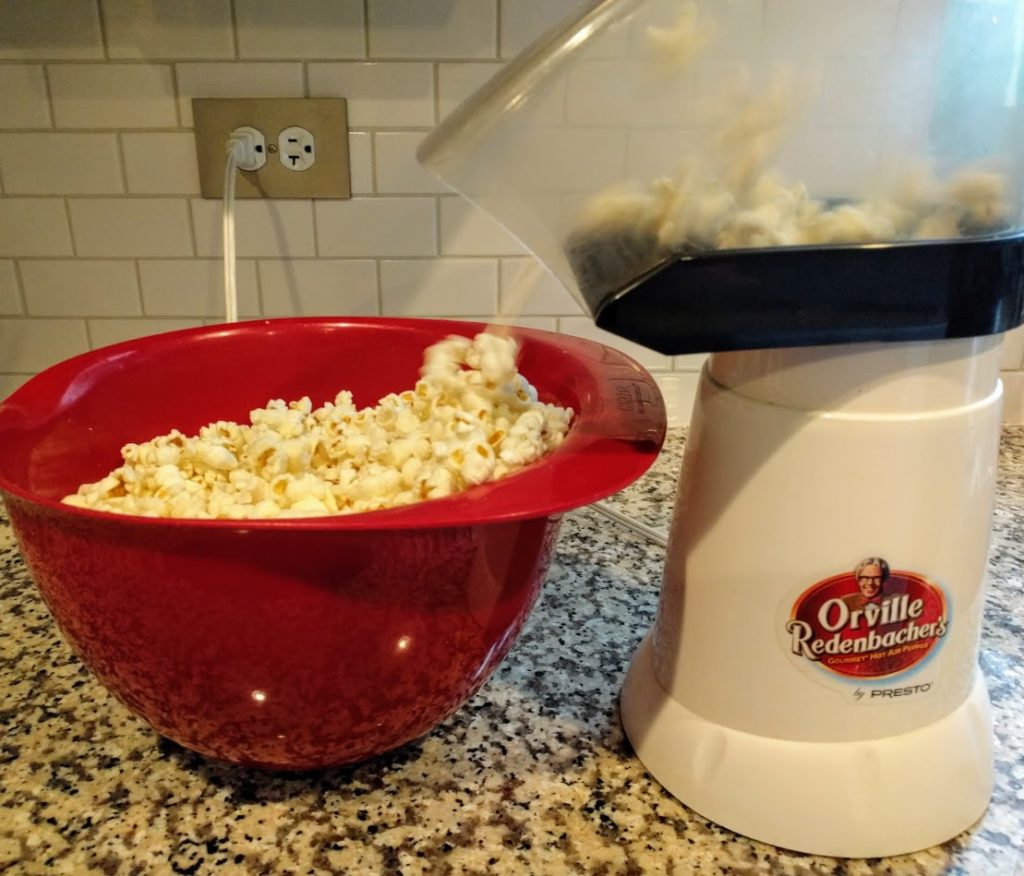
(1013, 350)
(376, 227)
(34, 227)
(36, 29)
(795, 29)
(848, 97)
(544, 323)
(522, 21)
(262, 228)
(74, 287)
(456, 287)
(182, 29)
(679, 391)
(23, 99)
(466, 230)
(398, 171)
(195, 287)
(655, 152)
(10, 299)
(126, 227)
(380, 95)
(252, 79)
(456, 82)
(360, 162)
(161, 164)
(832, 162)
(432, 28)
(104, 332)
(28, 345)
(529, 288)
(10, 382)
(320, 287)
(60, 164)
(300, 29)
(602, 93)
(568, 161)
(112, 95)
(582, 327)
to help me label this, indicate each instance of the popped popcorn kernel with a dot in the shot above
(470, 419)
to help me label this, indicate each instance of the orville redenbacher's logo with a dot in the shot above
(868, 623)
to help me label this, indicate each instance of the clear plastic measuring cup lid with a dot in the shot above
(450, 144)
(644, 130)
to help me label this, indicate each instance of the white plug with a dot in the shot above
(249, 147)
(296, 148)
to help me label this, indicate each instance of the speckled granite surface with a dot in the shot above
(532, 776)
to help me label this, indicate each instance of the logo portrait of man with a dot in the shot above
(872, 575)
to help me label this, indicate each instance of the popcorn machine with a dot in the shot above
(826, 196)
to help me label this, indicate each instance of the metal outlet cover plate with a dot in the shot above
(325, 117)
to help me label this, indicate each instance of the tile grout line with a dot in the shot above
(165, 60)
(71, 227)
(48, 90)
(88, 333)
(497, 28)
(20, 281)
(138, 289)
(102, 21)
(436, 86)
(233, 19)
(380, 286)
(176, 87)
(190, 221)
(178, 119)
(315, 224)
(372, 135)
(261, 306)
(437, 228)
(119, 141)
(374, 183)
(366, 29)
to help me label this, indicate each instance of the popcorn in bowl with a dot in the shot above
(470, 419)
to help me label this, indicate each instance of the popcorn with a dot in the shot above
(470, 419)
(725, 195)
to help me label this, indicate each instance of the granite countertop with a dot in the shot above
(533, 775)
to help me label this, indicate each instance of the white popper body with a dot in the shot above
(772, 696)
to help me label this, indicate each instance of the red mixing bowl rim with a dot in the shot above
(604, 451)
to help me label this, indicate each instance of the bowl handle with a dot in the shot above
(632, 407)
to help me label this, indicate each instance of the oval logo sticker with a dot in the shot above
(868, 623)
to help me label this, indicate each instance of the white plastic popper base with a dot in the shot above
(781, 695)
(872, 798)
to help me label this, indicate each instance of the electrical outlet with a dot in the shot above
(295, 148)
(321, 124)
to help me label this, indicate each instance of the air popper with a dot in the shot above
(828, 198)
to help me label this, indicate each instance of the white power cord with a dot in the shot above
(657, 536)
(245, 151)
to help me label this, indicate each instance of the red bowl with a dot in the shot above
(304, 642)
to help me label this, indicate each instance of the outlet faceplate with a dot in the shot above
(324, 117)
